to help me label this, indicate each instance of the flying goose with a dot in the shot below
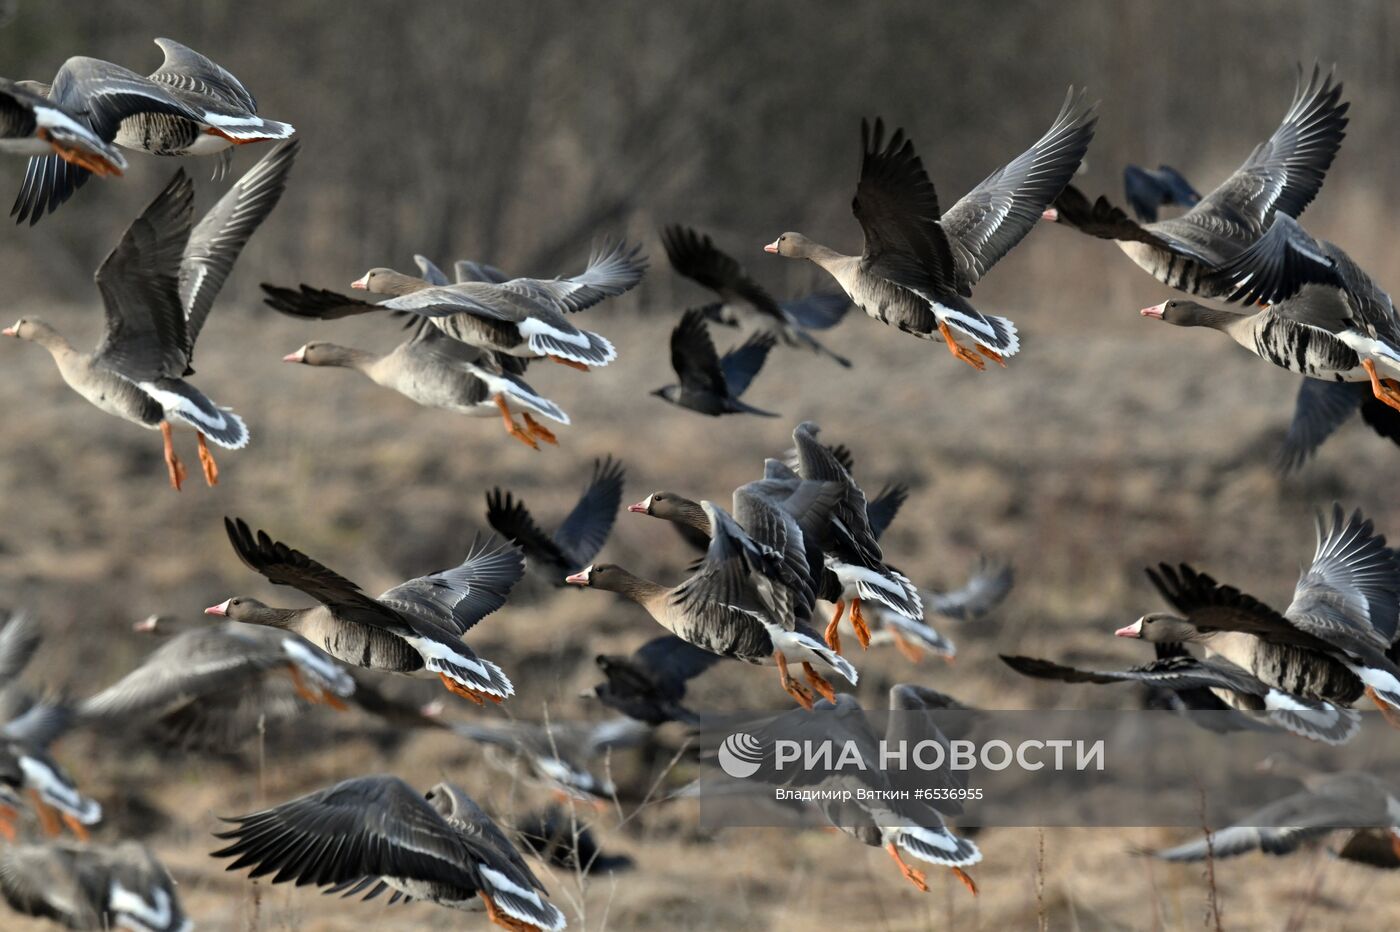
(189, 106)
(415, 628)
(650, 685)
(31, 124)
(97, 887)
(559, 755)
(1282, 175)
(1331, 642)
(208, 686)
(873, 811)
(711, 384)
(744, 301)
(376, 833)
(919, 263)
(522, 317)
(1323, 316)
(1149, 189)
(158, 287)
(579, 536)
(1327, 803)
(436, 371)
(1316, 719)
(99, 96)
(748, 598)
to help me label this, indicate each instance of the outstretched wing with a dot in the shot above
(897, 208)
(146, 336)
(587, 526)
(217, 241)
(998, 213)
(458, 598)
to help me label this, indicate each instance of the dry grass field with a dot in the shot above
(1108, 444)
(515, 133)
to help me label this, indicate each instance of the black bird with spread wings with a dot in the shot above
(578, 538)
(743, 301)
(709, 383)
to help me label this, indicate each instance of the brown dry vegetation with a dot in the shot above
(1110, 443)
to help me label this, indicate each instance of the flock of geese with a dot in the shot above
(801, 531)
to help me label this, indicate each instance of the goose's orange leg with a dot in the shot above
(819, 682)
(858, 622)
(206, 462)
(78, 156)
(959, 351)
(79, 830)
(582, 367)
(466, 692)
(913, 875)
(9, 816)
(538, 430)
(499, 918)
(1388, 712)
(793, 688)
(993, 355)
(314, 696)
(512, 428)
(966, 879)
(48, 817)
(911, 651)
(832, 635)
(1387, 390)
(173, 466)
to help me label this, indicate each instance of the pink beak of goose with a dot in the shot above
(1155, 311)
(1133, 630)
(220, 609)
(771, 247)
(361, 283)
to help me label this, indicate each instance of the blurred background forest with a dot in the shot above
(517, 133)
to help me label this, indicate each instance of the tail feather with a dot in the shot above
(939, 846)
(187, 404)
(995, 333)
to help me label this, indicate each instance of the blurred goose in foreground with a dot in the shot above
(1323, 316)
(436, 371)
(559, 755)
(523, 317)
(208, 686)
(1282, 175)
(1331, 643)
(1149, 189)
(919, 263)
(649, 686)
(415, 628)
(158, 287)
(711, 384)
(378, 833)
(874, 813)
(579, 536)
(32, 124)
(1327, 803)
(189, 106)
(557, 837)
(1316, 719)
(744, 301)
(25, 764)
(748, 598)
(95, 887)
